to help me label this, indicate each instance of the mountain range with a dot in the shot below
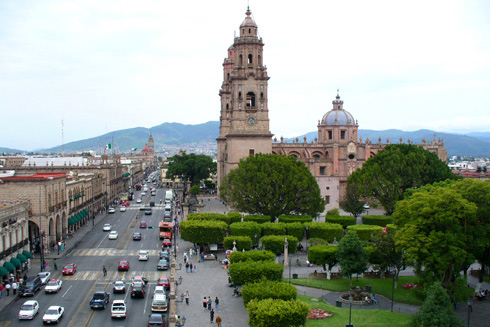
(476, 144)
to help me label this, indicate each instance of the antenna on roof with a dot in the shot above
(62, 135)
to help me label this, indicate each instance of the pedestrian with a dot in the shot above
(25, 277)
(15, 286)
(216, 302)
(55, 264)
(204, 302)
(190, 253)
(177, 248)
(186, 296)
(195, 268)
(218, 321)
(210, 303)
(202, 256)
(211, 316)
(187, 267)
(104, 270)
(190, 266)
(11, 277)
(1, 290)
(216, 257)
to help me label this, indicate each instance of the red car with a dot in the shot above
(143, 224)
(123, 266)
(69, 269)
(162, 281)
(166, 243)
(126, 204)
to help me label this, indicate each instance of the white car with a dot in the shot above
(138, 200)
(29, 310)
(53, 314)
(143, 193)
(44, 275)
(112, 210)
(113, 235)
(118, 309)
(159, 290)
(53, 286)
(107, 227)
(122, 209)
(143, 255)
(119, 287)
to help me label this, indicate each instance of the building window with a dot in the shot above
(330, 135)
(251, 99)
(240, 60)
(251, 152)
(239, 95)
(342, 135)
(322, 170)
(249, 30)
(227, 106)
(327, 199)
(250, 57)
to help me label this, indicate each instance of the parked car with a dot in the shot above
(53, 286)
(123, 266)
(29, 310)
(44, 275)
(156, 320)
(162, 264)
(137, 236)
(118, 309)
(99, 300)
(107, 227)
(69, 269)
(30, 286)
(163, 281)
(119, 287)
(53, 314)
(113, 235)
(164, 254)
(166, 243)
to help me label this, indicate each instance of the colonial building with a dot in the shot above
(244, 124)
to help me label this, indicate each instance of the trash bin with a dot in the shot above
(368, 288)
(295, 276)
(338, 304)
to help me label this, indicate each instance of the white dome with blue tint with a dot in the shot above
(338, 116)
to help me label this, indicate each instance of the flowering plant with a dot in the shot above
(409, 286)
(319, 314)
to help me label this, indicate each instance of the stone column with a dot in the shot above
(286, 256)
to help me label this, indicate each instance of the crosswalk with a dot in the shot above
(152, 276)
(110, 252)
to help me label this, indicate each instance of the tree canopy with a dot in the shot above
(398, 167)
(272, 185)
(351, 255)
(191, 167)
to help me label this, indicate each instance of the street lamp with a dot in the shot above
(306, 239)
(93, 215)
(350, 311)
(470, 309)
(41, 234)
(180, 280)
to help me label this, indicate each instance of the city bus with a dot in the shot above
(165, 230)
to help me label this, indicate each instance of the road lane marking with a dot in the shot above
(67, 291)
(103, 239)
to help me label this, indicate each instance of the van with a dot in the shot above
(159, 303)
(30, 286)
(168, 210)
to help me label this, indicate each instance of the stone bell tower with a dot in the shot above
(244, 117)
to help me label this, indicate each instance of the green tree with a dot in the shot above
(203, 231)
(352, 202)
(323, 255)
(387, 255)
(272, 185)
(396, 168)
(191, 167)
(436, 310)
(435, 225)
(351, 255)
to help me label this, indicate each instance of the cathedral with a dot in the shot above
(244, 124)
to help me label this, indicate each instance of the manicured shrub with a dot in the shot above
(234, 217)
(228, 218)
(333, 212)
(366, 232)
(203, 231)
(246, 228)
(377, 220)
(258, 218)
(245, 272)
(275, 243)
(273, 313)
(295, 229)
(342, 220)
(390, 228)
(238, 256)
(273, 228)
(295, 219)
(267, 289)
(323, 255)
(242, 242)
(326, 231)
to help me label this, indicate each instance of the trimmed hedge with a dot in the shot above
(229, 218)
(391, 228)
(295, 219)
(295, 229)
(342, 220)
(333, 212)
(377, 220)
(249, 271)
(203, 231)
(239, 256)
(246, 228)
(275, 243)
(273, 229)
(242, 242)
(326, 231)
(234, 217)
(273, 313)
(323, 255)
(365, 232)
(258, 218)
(267, 289)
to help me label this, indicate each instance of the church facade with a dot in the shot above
(244, 124)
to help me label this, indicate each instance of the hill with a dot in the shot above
(9, 151)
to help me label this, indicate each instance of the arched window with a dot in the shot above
(250, 58)
(240, 60)
(262, 95)
(249, 30)
(259, 61)
(228, 77)
(227, 106)
(239, 94)
(250, 100)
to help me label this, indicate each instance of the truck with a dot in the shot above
(169, 196)
(99, 300)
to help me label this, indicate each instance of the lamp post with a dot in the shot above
(350, 311)
(306, 239)
(41, 233)
(175, 241)
(470, 309)
(93, 215)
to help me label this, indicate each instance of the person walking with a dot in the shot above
(187, 267)
(104, 270)
(55, 264)
(211, 316)
(204, 302)
(218, 321)
(15, 286)
(7, 288)
(1, 290)
(195, 268)
(210, 303)
(186, 296)
(216, 303)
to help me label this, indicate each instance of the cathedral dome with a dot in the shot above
(338, 115)
(248, 22)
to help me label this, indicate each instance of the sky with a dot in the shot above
(108, 65)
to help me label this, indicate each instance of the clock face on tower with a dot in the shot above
(251, 121)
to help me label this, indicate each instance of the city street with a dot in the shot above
(93, 252)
